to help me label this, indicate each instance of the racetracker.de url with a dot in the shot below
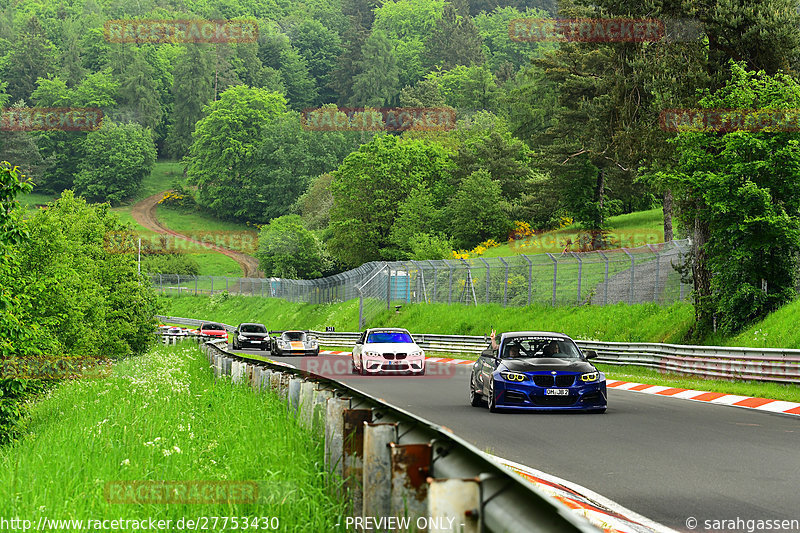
(200, 523)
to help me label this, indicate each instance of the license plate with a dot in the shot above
(556, 392)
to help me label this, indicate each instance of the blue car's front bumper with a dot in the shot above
(527, 395)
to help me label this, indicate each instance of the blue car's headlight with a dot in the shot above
(513, 376)
(588, 377)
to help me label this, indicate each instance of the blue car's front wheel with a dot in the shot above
(492, 400)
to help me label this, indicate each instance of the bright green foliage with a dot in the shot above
(369, 187)
(746, 187)
(425, 246)
(468, 88)
(320, 47)
(498, 47)
(477, 211)
(114, 161)
(84, 290)
(286, 249)
(225, 144)
(276, 52)
(417, 214)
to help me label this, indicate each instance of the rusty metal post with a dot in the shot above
(284, 387)
(275, 382)
(251, 370)
(353, 452)
(319, 409)
(305, 408)
(411, 465)
(453, 505)
(377, 485)
(294, 393)
(334, 434)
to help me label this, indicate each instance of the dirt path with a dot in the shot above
(144, 212)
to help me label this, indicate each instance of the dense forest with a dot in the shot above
(544, 131)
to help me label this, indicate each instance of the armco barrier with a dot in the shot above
(727, 362)
(395, 464)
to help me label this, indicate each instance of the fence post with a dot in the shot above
(530, 277)
(555, 275)
(505, 285)
(487, 277)
(605, 284)
(212, 285)
(161, 284)
(633, 271)
(433, 300)
(226, 284)
(195, 285)
(680, 261)
(178, 284)
(449, 281)
(655, 285)
(580, 272)
(389, 288)
(360, 308)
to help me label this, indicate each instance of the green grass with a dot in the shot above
(633, 323)
(775, 391)
(31, 200)
(160, 179)
(778, 330)
(216, 264)
(163, 417)
(631, 230)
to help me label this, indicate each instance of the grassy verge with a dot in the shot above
(162, 417)
(634, 323)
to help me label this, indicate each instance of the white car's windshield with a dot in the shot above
(294, 336)
(389, 336)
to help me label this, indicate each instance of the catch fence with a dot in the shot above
(631, 275)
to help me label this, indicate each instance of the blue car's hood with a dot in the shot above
(543, 364)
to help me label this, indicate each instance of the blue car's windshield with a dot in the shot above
(523, 347)
(389, 336)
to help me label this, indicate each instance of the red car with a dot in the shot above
(213, 330)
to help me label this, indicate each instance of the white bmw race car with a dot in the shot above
(387, 351)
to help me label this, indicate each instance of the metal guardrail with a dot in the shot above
(397, 464)
(755, 364)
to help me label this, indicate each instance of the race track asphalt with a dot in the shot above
(665, 458)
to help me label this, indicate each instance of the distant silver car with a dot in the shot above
(295, 342)
(387, 351)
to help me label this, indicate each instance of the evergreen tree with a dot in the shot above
(455, 40)
(32, 57)
(193, 89)
(377, 83)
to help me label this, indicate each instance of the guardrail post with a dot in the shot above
(353, 447)
(319, 406)
(378, 468)
(275, 382)
(580, 272)
(411, 464)
(334, 434)
(227, 362)
(306, 405)
(453, 505)
(294, 393)
(555, 275)
(284, 387)
(633, 270)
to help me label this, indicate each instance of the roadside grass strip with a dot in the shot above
(733, 400)
(606, 514)
(162, 422)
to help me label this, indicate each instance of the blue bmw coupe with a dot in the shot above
(537, 371)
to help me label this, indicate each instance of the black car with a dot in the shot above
(537, 371)
(251, 335)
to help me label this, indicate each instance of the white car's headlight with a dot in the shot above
(372, 354)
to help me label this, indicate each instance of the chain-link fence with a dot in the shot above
(632, 275)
